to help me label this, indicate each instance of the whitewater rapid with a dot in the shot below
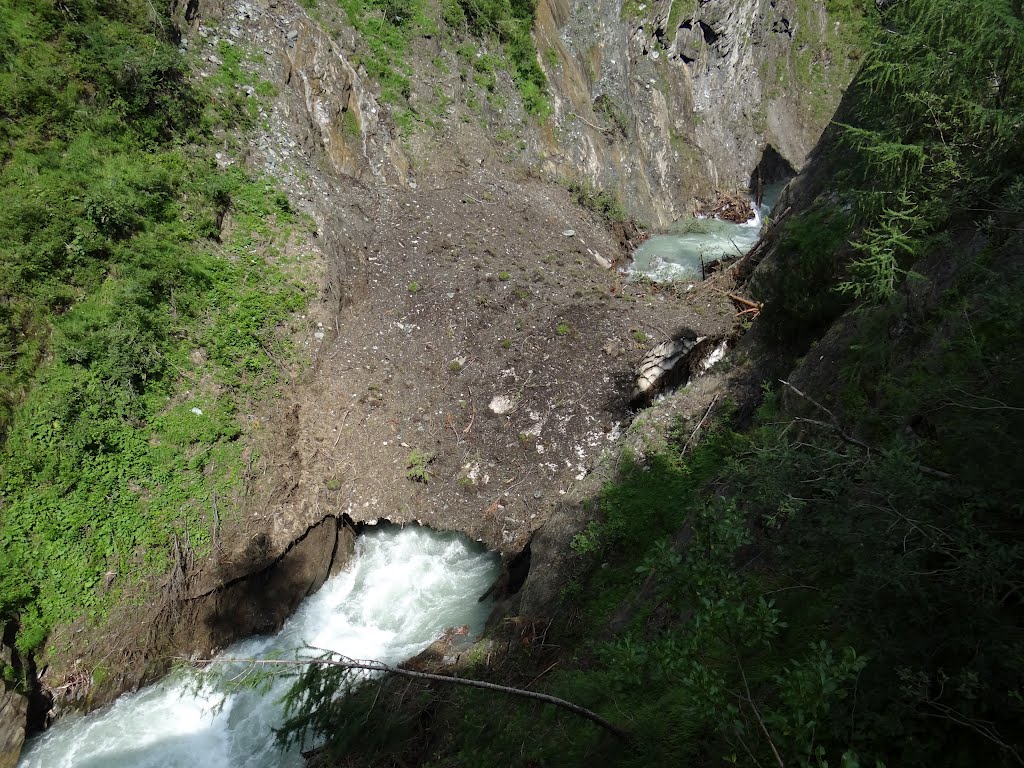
(402, 590)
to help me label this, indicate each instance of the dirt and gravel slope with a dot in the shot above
(470, 351)
(487, 344)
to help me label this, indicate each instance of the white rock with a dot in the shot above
(501, 404)
(197, 411)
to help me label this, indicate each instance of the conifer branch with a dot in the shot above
(369, 665)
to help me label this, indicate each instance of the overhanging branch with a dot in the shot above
(369, 665)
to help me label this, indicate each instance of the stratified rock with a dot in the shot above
(656, 370)
(672, 364)
(13, 710)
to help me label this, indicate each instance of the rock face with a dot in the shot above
(13, 710)
(13, 706)
(671, 100)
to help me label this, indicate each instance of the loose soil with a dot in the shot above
(484, 338)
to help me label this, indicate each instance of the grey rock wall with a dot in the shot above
(13, 708)
(670, 101)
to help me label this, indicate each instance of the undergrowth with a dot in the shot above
(134, 329)
(503, 27)
(510, 24)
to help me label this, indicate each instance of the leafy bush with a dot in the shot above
(111, 279)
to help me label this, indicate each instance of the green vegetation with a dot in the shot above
(388, 27)
(509, 24)
(416, 465)
(131, 332)
(633, 9)
(603, 105)
(934, 146)
(813, 247)
(679, 12)
(563, 329)
(605, 204)
(824, 59)
(937, 136)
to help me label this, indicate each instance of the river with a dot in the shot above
(679, 253)
(403, 588)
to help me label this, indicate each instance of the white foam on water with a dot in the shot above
(679, 254)
(402, 590)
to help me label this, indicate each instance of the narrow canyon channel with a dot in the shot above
(403, 588)
(695, 242)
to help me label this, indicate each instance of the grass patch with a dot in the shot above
(605, 204)
(508, 25)
(388, 27)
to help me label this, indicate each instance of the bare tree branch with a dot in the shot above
(834, 424)
(757, 714)
(337, 660)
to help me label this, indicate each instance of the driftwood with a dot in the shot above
(744, 302)
(749, 307)
(369, 665)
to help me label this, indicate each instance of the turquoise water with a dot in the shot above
(678, 253)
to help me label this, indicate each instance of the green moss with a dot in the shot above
(824, 60)
(679, 12)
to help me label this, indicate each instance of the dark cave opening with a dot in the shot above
(770, 169)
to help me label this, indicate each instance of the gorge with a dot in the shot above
(277, 271)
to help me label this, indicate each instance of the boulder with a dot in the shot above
(672, 364)
(656, 370)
